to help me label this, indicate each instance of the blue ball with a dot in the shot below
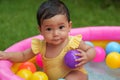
(89, 43)
(112, 47)
(61, 79)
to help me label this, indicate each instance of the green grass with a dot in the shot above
(18, 17)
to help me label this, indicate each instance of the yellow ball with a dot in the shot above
(24, 73)
(100, 43)
(39, 76)
(15, 66)
(113, 60)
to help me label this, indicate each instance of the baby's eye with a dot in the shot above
(48, 29)
(61, 27)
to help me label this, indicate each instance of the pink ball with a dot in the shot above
(100, 54)
(39, 60)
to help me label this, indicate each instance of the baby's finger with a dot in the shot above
(80, 64)
(80, 54)
(79, 59)
(80, 50)
(1, 56)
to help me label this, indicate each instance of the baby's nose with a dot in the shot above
(56, 32)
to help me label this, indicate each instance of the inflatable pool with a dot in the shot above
(98, 35)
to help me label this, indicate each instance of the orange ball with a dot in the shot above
(24, 73)
(113, 60)
(28, 65)
(39, 76)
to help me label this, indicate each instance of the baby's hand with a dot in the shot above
(2, 55)
(83, 58)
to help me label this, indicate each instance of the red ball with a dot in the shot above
(28, 65)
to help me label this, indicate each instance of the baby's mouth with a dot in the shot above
(56, 39)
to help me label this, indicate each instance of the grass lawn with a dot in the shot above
(18, 17)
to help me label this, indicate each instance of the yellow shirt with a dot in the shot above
(55, 68)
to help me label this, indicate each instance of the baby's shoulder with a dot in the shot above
(37, 45)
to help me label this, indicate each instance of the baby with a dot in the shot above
(54, 25)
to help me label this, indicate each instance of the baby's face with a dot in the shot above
(55, 30)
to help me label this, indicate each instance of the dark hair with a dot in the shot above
(51, 8)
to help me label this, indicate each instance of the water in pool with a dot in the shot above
(99, 71)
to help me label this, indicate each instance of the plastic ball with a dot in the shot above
(89, 43)
(101, 43)
(24, 73)
(39, 76)
(32, 60)
(15, 67)
(112, 47)
(39, 60)
(61, 79)
(113, 60)
(100, 54)
(70, 57)
(28, 65)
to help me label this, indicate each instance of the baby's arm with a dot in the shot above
(17, 56)
(87, 54)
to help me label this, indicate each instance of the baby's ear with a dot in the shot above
(70, 25)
